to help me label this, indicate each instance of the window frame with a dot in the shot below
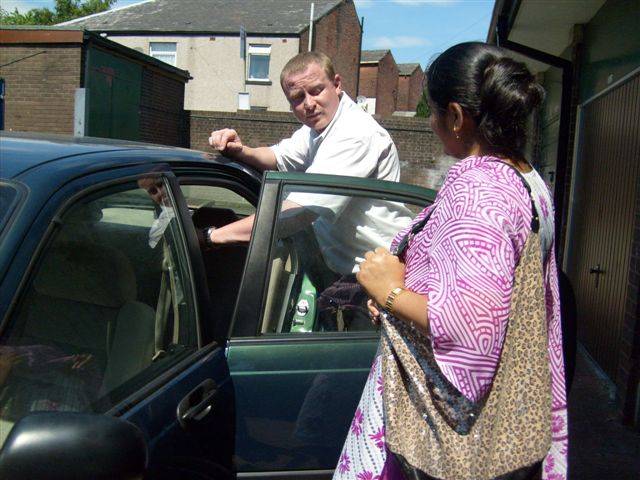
(173, 54)
(259, 50)
(250, 306)
(100, 191)
(46, 225)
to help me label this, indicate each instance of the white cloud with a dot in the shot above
(400, 41)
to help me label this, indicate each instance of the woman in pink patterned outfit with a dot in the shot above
(455, 278)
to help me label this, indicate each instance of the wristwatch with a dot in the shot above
(207, 237)
(393, 294)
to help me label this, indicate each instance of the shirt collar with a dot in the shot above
(315, 136)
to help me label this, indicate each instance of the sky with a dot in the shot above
(414, 30)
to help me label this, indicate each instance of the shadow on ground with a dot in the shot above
(600, 447)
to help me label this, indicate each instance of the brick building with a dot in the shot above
(68, 81)
(378, 82)
(203, 37)
(410, 83)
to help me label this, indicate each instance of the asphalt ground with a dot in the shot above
(600, 446)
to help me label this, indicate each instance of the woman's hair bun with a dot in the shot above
(497, 91)
(512, 80)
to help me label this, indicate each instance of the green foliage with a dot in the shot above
(422, 109)
(64, 10)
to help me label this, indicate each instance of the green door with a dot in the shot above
(114, 89)
(299, 353)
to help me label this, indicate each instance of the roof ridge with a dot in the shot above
(271, 17)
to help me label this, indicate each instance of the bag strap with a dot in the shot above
(419, 226)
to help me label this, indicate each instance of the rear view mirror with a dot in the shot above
(57, 445)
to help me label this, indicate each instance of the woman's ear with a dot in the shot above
(456, 118)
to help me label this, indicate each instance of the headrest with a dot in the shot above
(87, 272)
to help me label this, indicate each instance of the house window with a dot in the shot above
(259, 56)
(163, 51)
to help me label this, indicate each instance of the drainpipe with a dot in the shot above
(562, 160)
(311, 27)
(357, 92)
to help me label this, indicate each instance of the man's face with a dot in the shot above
(155, 189)
(313, 96)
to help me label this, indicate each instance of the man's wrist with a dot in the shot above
(208, 241)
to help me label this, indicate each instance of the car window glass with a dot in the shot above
(320, 239)
(108, 307)
(209, 196)
(216, 206)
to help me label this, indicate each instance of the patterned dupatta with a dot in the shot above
(435, 431)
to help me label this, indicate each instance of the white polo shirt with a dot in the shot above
(353, 144)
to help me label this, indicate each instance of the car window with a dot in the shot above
(108, 307)
(216, 206)
(320, 239)
(209, 196)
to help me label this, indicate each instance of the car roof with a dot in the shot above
(21, 152)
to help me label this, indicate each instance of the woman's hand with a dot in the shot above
(380, 273)
(374, 312)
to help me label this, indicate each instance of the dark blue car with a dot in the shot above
(127, 350)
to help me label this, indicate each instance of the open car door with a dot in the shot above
(301, 343)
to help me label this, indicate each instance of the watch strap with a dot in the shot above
(391, 298)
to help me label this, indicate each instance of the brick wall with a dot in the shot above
(403, 93)
(419, 149)
(387, 86)
(416, 83)
(338, 35)
(368, 80)
(162, 116)
(40, 84)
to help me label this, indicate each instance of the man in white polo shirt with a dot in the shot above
(338, 138)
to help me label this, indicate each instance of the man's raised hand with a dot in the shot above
(226, 141)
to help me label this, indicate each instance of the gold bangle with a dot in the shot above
(393, 294)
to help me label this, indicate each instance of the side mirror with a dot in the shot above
(57, 445)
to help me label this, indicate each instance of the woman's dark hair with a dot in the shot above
(498, 92)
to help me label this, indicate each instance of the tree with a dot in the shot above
(64, 10)
(422, 109)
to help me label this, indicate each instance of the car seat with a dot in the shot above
(84, 301)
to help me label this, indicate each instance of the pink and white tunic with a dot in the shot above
(464, 262)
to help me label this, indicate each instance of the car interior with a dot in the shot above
(89, 322)
(296, 281)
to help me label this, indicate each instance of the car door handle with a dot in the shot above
(198, 403)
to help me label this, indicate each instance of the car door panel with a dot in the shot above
(297, 397)
(200, 447)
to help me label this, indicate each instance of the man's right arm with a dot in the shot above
(228, 142)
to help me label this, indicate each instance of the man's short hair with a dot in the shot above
(300, 62)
